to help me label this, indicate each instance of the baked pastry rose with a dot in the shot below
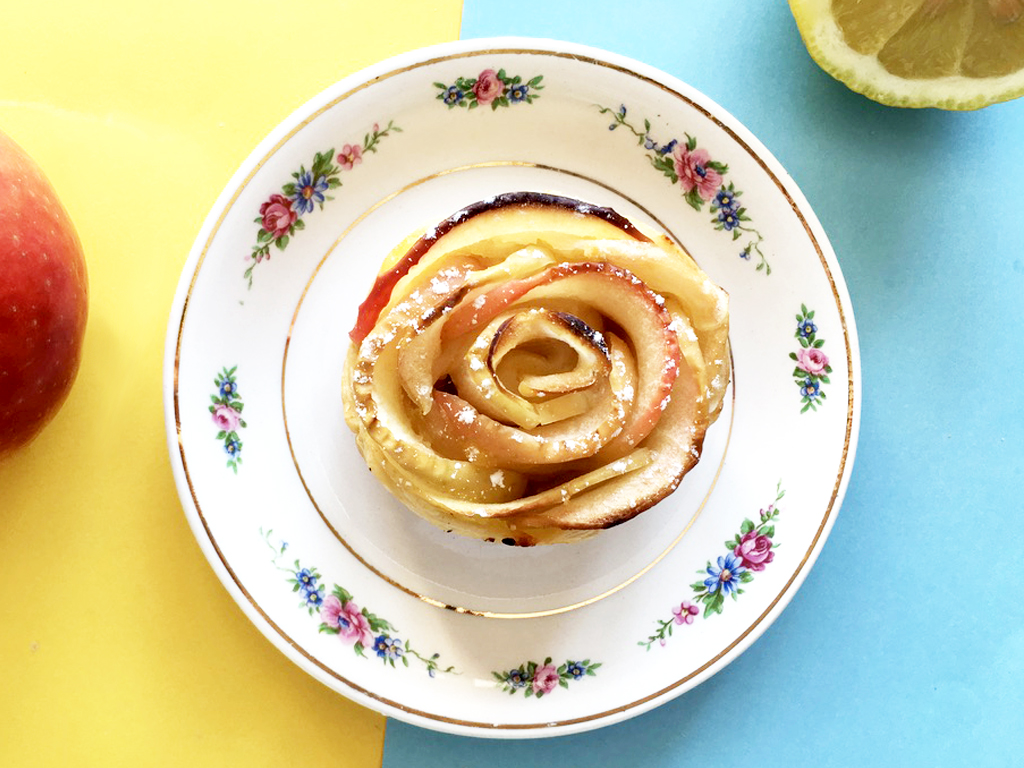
(535, 369)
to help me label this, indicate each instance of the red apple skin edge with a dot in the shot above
(43, 299)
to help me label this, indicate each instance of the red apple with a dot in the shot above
(43, 299)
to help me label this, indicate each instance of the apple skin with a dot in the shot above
(43, 299)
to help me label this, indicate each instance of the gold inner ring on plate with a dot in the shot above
(338, 534)
(701, 668)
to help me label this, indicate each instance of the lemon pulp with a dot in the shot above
(953, 54)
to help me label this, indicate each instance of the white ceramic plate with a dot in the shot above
(455, 634)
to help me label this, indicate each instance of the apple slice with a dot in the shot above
(564, 340)
(626, 301)
(376, 406)
(514, 212)
(670, 272)
(458, 430)
(550, 328)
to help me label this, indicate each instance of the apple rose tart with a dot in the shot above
(535, 369)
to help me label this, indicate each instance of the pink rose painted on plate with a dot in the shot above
(347, 618)
(278, 216)
(813, 361)
(545, 678)
(696, 171)
(226, 417)
(756, 551)
(488, 87)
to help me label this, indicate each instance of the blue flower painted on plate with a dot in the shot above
(726, 575)
(314, 596)
(516, 678)
(728, 219)
(309, 192)
(387, 647)
(807, 328)
(726, 200)
(518, 92)
(651, 144)
(453, 96)
(575, 670)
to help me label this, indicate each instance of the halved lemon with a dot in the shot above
(951, 54)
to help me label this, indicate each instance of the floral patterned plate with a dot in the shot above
(461, 635)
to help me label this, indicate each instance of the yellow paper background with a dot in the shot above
(118, 645)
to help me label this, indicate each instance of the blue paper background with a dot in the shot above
(906, 643)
